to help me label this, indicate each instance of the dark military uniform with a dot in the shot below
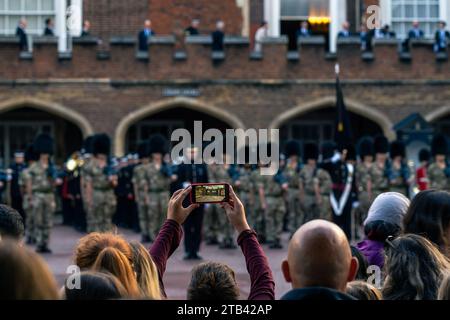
(16, 192)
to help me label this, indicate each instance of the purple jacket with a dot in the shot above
(373, 251)
(262, 283)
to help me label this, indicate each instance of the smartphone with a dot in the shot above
(210, 193)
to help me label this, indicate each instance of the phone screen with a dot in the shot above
(210, 193)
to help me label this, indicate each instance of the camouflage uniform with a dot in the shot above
(158, 185)
(379, 179)
(437, 178)
(311, 177)
(211, 218)
(259, 215)
(141, 182)
(275, 209)
(398, 180)
(99, 216)
(218, 221)
(27, 207)
(246, 192)
(43, 201)
(362, 176)
(293, 201)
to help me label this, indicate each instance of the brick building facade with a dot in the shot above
(113, 91)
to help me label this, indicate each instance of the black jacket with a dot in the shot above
(23, 41)
(217, 40)
(143, 40)
(316, 293)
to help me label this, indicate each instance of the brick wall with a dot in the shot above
(170, 15)
(237, 65)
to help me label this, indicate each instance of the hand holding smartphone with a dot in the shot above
(202, 193)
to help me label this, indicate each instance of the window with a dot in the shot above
(34, 11)
(302, 9)
(404, 12)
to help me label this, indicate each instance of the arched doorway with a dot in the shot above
(22, 120)
(166, 116)
(315, 122)
(440, 120)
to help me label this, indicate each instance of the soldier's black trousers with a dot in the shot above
(193, 231)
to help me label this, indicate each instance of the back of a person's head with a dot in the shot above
(444, 290)
(146, 272)
(319, 256)
(24, 275)
(90, 246)
(414, 269)
(112, 260)
(385, 216)
(11, 223)
(213, 281)
(96, 286)
(362, 264)
(429, 216)
(362, 290)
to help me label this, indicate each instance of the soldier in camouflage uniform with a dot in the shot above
(439, 171)
(100, 181)
(363, 185)
(315, 188)
(378, 173)
(159, 177)
(246, 190)
(41, 180)
(292, 174)
(399, 172)
(141, 191)
(271, 194)
(211, 218)
(25, 186)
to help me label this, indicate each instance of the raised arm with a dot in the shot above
(169, 237)
(262, 283)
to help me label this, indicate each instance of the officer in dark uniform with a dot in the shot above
(342, 176)
(189, 173)
(125, 196)
(16, 169)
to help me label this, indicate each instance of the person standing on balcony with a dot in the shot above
(22, 34)
(48, 31)
(260, 34)
(144, 35)
(441, 38)
(218, 36)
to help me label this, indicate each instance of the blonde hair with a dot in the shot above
(24, 275)
(362, 290)
(115, 262)
(146, 272)
(444, 290)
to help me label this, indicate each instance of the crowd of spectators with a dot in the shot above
(404, 257)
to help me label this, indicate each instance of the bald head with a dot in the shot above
(319, 256)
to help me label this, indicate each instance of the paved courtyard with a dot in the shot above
(64, 239)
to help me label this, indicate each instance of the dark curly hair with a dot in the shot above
(213, 281)
(11, 223)
(414, 269)
(380, 230)
(429, 215)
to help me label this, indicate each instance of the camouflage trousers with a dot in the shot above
(99, 216)
(157, 210)
(313, 211)
(43, 210)
(211, 222)
(249, 208)
(274, 217)
(145, 221)
(296, 215)
(30, 224)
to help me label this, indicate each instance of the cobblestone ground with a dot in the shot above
(64, 239)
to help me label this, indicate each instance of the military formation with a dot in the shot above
(97, 193)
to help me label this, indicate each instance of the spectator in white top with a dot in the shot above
(260, 34)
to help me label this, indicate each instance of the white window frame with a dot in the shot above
(386, 12)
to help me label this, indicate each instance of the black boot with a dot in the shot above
(43, 249)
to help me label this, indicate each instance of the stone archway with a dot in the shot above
(360, 109)
(160, 106)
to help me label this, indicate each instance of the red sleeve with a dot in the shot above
(262, 283)
(167, 241)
